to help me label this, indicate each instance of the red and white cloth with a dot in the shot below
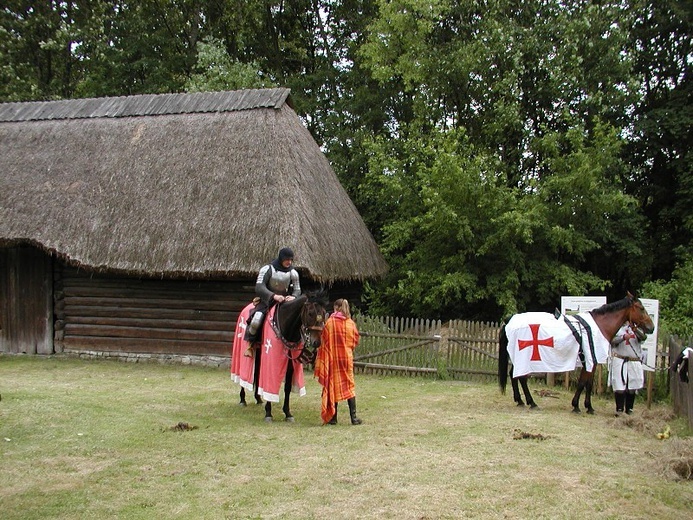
(274, 360)
(242, 367)
(273, 364)
(538, 342)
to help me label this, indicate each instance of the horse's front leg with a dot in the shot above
(242, 396)
(256, 376)
(268, 411)
(288, 380)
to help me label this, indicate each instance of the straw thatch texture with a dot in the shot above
(189, 192)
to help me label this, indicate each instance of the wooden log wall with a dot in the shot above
(26, 310)
(107, 313)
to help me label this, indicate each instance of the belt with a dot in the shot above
(627, 358)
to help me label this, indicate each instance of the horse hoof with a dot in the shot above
(258, 401)
(533, 406)
(590, 411)
(242, 403)
(520, 403)
(290, 418)
(576, 410)
(268, 419)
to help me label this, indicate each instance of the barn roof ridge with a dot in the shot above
(145, 105)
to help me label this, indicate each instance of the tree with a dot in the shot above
(531, 198)
(662, 130)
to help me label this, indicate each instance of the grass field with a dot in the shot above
(98, 439)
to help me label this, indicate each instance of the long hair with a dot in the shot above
(342, 305)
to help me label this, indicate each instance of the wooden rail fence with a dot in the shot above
(459, 349)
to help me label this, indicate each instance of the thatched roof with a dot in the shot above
(207, 184)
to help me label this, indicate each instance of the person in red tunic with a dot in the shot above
(334, 364)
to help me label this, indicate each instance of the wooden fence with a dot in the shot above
(456, 350)
(459, 349)
(681, 393)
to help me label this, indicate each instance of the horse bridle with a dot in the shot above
(305, 355)
(639, 332)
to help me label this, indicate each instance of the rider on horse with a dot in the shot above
(276, 282)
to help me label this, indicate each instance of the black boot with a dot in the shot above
(352, 411)
(630, 401)
(620, 399)
(334, 417)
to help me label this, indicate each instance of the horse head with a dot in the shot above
(300, 322)
(639, 318)
(313, 317)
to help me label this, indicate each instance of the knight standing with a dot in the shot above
(276, 282)
(626, 374)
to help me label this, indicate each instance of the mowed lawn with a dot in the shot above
(103, 439)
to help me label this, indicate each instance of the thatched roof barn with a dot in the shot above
(177, 184)
(204, 186)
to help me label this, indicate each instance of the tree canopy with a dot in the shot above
(502, 153)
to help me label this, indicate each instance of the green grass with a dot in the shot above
(93, 439)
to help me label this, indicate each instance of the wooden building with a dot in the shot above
(138, 224)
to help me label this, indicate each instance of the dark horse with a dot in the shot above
(609, 318)
(296, 326)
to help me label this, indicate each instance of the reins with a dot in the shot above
(299, 345)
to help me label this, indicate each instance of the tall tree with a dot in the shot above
(537, 91)
(662, 131)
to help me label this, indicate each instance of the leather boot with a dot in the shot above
(352, 411)
(334, 417)
(630, 401)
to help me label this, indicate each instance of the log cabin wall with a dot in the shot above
(118, 314)
(26, 310)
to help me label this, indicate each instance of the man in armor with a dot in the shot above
(276, 282)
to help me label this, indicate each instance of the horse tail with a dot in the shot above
(503, 360)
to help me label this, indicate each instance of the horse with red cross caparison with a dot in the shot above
(540, 342)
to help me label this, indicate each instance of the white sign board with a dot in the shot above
(575, 304)
(649, 347)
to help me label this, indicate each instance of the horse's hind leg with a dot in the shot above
(576, 398)
(242, 396)
(287, 392)
(525, 389)
(516, 389)
(589, 380)
(268, 411)
(516, 393)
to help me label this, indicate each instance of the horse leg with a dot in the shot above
(256, 378)
(516, 389)
(589, 379)
(576, 398)
(525, 389)
(268, 411)
(288, 380)
(242, 395)
(516, 392)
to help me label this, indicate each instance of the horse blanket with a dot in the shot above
(538, 342)
(242, 367)
(273, 361)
